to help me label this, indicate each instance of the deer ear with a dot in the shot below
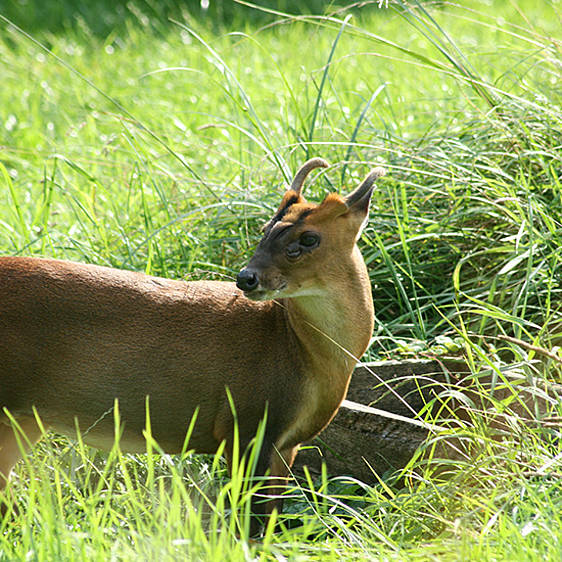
(358, 200)
(355, 205)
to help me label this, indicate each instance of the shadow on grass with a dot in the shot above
(103, 17)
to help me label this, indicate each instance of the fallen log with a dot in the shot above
(393, 406)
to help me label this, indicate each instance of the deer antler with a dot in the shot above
(304, 170)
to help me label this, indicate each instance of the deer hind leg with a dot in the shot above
(13, 446)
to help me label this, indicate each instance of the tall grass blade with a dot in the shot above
(322, 83)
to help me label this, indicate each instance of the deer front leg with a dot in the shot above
(275, 466)
(280, 467)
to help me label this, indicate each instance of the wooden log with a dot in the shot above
(381, 424)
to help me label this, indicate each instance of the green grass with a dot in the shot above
(133, 141)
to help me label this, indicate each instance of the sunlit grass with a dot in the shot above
(163, 147)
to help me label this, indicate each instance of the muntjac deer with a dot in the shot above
(285, 338)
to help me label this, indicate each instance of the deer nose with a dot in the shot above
(247, 280)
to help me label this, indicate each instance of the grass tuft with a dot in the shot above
(131, 141)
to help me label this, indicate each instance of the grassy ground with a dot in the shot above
(132, 141)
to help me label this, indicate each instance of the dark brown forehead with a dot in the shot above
(292, 220)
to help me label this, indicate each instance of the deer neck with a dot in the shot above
(334, 328)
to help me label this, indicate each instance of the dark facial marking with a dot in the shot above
(278, 231)
(303, 215)
(271, 236)
(280, 214)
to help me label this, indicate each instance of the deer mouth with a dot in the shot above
(265, 293)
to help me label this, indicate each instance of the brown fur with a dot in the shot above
(75, 337)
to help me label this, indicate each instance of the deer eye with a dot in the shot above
(309, 239)
(293, 251)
